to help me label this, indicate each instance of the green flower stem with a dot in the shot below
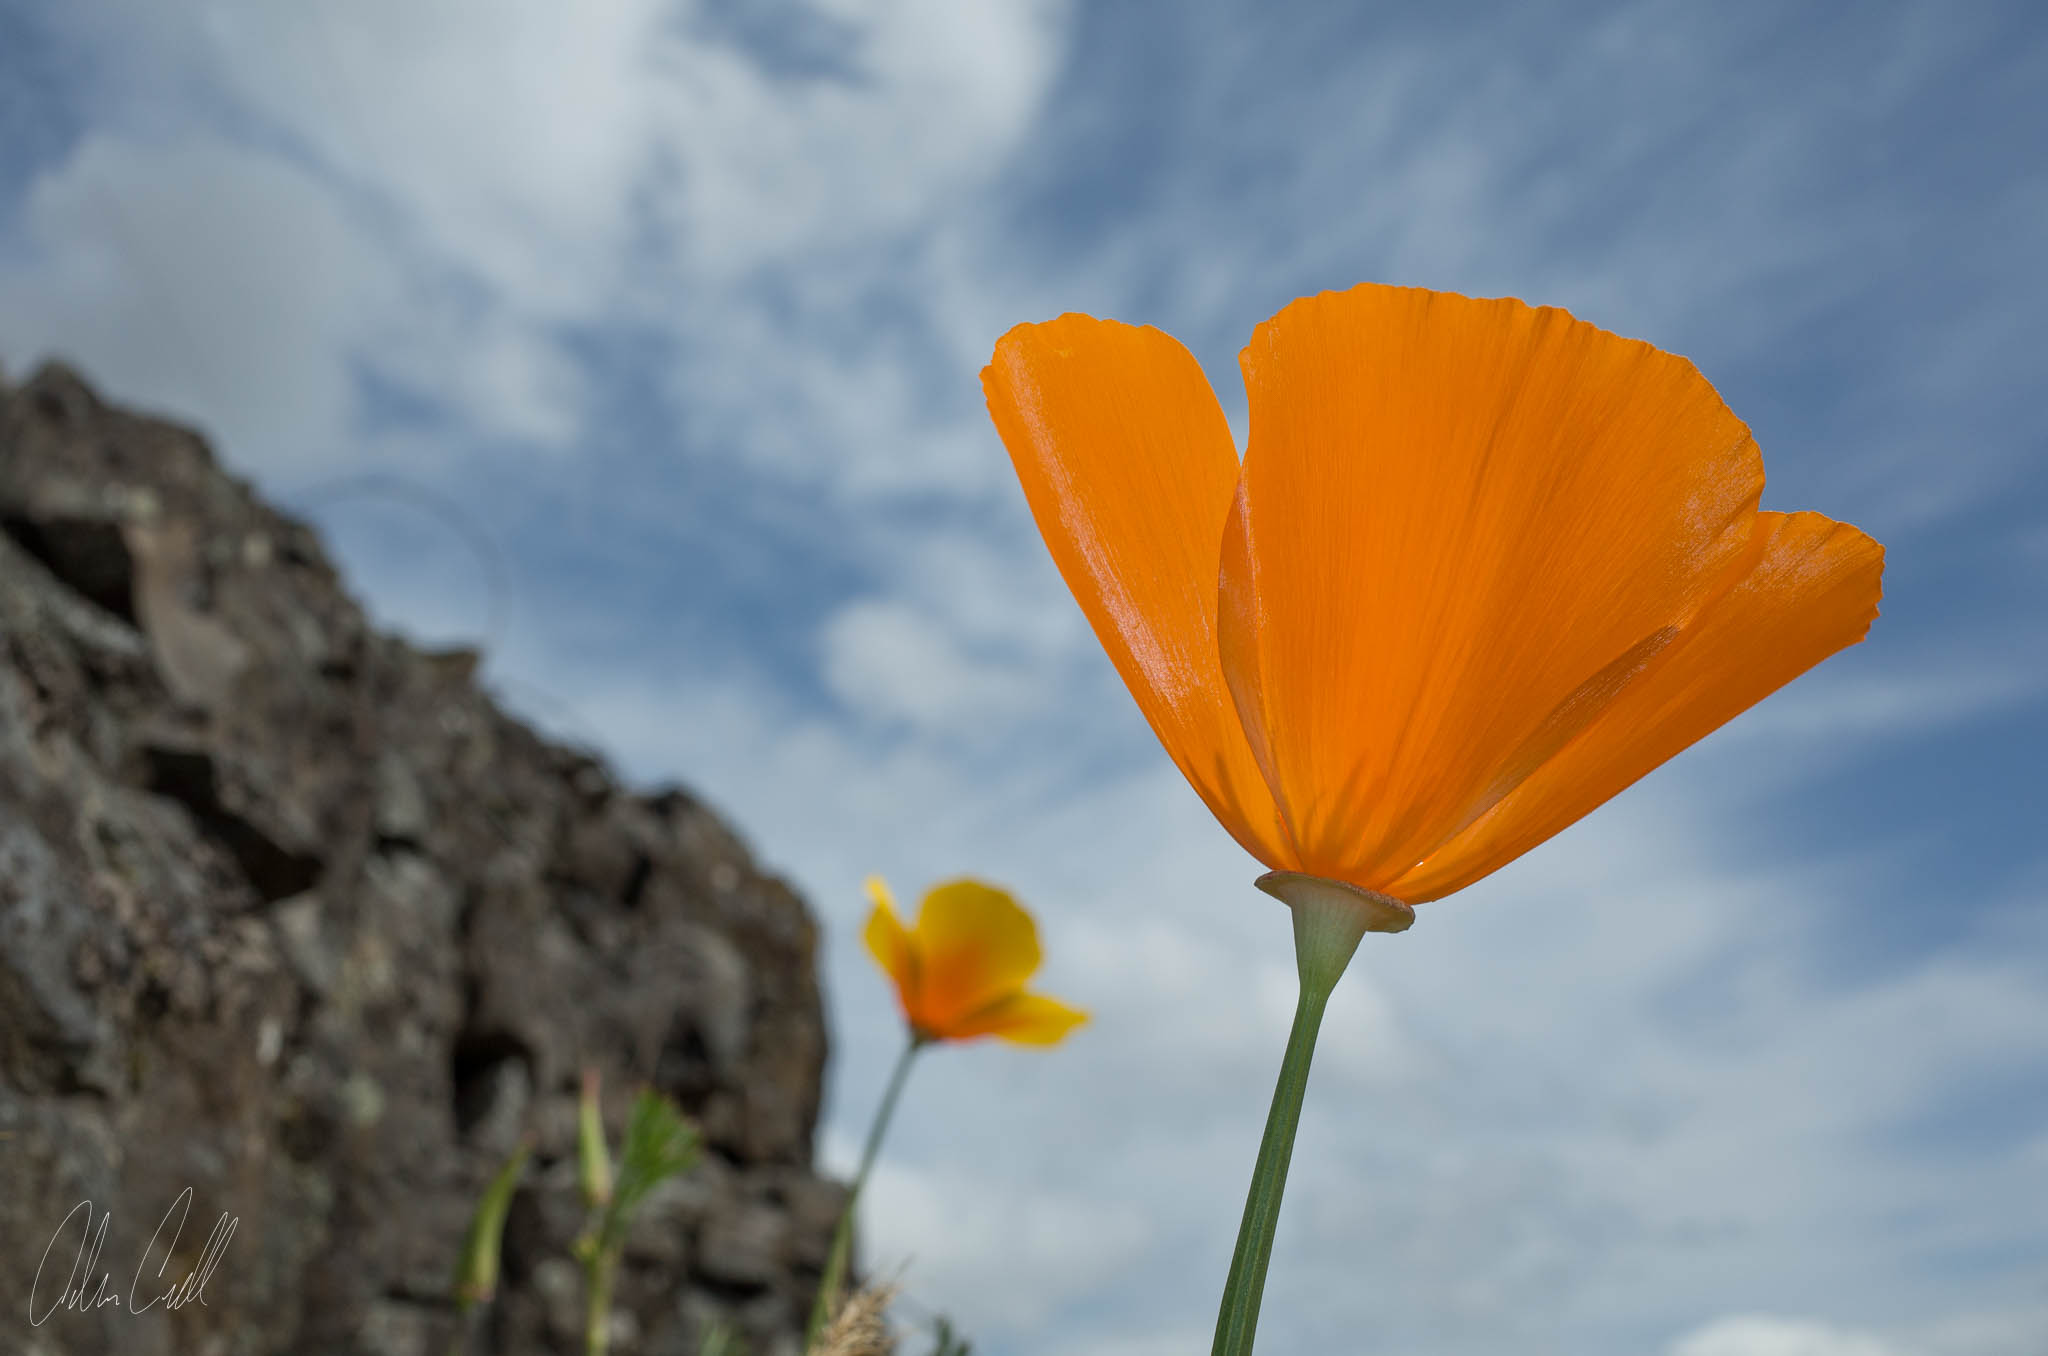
(1329, 921)
(659, 1145)
(598, 1272)
(842, 1237)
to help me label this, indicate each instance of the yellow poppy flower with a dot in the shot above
(1483, 566)
(960, 972)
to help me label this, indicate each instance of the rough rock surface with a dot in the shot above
(293, 916)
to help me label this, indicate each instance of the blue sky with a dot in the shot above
(676, 311)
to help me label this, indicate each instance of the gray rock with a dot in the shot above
(744, 1246)
(293, 917)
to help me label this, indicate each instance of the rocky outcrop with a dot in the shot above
(292, 916)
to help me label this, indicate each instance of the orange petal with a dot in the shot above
(1462, 525)
(1021, 1018)
(1129, 468)
(890, 944)
(1814, 591)
(975, 945)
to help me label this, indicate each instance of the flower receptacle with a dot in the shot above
(1330, 917)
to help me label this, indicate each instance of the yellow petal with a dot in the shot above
(975, 945)
(1462, 525)
(889, 942)
(1814, 591)
(1129, 469)
(1022, 1019)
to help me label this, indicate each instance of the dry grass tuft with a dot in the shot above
(859, 1328)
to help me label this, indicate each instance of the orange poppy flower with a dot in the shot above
(1483, 566)
(960, 972)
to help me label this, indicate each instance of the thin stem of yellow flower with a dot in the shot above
(1329, 920)
(842, 1237)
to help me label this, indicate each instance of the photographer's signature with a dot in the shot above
(79, 1293)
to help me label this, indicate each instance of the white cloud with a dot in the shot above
(505, 136)
(767, 167)
(1763, 1336)
(966, 641)
(198, 277)
(441, 194)
(1832, 709)
(1020, 1250)
(890, 662)
(1179, 1342)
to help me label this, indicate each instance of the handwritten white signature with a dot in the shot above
(92, 1238)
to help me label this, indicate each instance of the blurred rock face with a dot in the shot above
(292, 916)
